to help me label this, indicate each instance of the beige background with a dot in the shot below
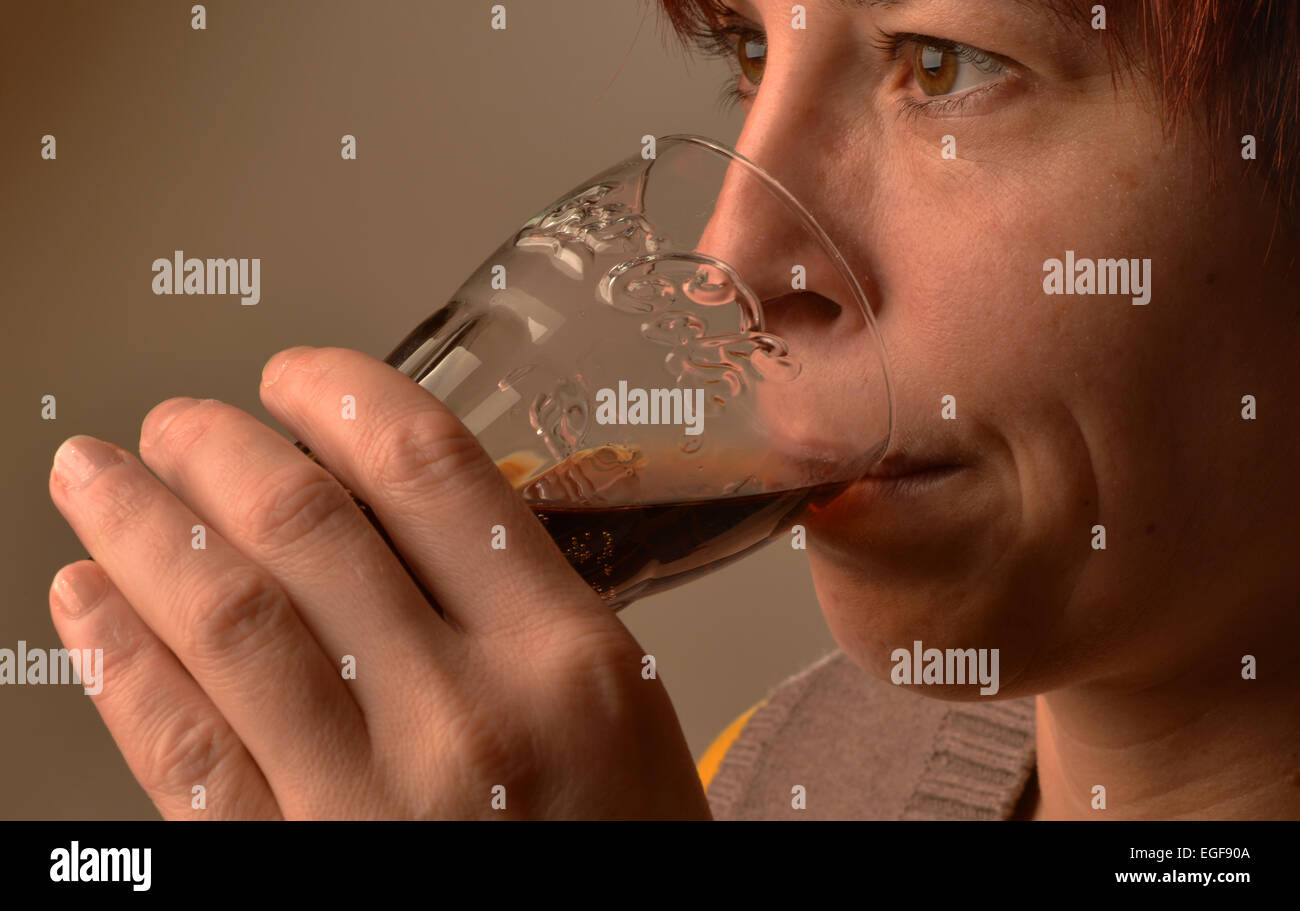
(225, 142)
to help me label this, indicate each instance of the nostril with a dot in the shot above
(805, 306)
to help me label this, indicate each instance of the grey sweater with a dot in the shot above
(864, 748)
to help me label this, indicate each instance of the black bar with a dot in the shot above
(927, 860)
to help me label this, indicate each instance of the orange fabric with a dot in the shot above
(712, 758)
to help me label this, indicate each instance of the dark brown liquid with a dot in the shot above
(627, 552)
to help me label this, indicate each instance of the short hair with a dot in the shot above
(1234, 65)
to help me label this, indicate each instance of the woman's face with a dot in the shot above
(1071, 411)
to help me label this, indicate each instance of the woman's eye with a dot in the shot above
(751, 54)
(947, 69)
(744, 47)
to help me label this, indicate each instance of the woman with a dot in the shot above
(1107, 498)
(1074, 412)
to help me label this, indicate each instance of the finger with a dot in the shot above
(229, 623)
(171, 735)
(434, 489)
(289, 515)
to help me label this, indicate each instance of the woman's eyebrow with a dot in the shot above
(854, 4)
(858, 4)
(1040, 5)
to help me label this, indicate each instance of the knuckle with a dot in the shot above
(184, 751)
(608, 677)
(487, 754)
(235, 616)
(121, 501)
(424, 449)
(130, 653)
(184, 430)
(290, 506)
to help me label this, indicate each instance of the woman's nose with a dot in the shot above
(774, 245)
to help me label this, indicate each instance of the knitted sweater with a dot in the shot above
(863, 748)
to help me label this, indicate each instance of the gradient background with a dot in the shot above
(226, 142)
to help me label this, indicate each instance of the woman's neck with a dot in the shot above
(1217, 747)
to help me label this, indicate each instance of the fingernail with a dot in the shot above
(80, 458)
(274, 367)
(77, 589)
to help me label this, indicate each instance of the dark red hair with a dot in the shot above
(1232, 64)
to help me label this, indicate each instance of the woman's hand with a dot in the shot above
(227, 667)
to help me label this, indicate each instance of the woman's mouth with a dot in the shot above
(900, 464)
(896, 502)
(907, 477)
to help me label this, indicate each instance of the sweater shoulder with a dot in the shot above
(863, 748)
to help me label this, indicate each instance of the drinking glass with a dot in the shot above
(671, 363)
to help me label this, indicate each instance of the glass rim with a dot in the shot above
(837, 259)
